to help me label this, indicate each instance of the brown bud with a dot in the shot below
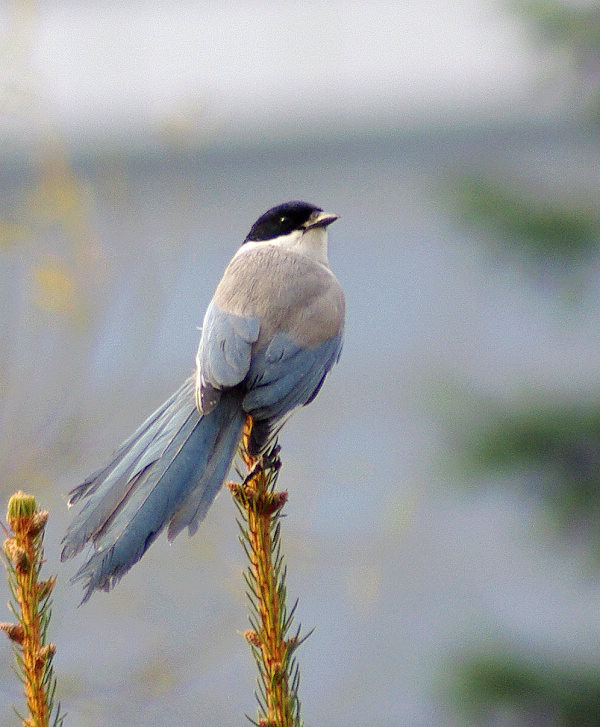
(278, 500)
(16, 555)
(252, 637)
(43, 654)
(14, 632)
(38, 522)
(45, 587)
(234, 488)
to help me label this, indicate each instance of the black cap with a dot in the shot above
(282, 220)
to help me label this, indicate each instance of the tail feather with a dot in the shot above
(104, 491)
(144, 434)
(195, 506)
(170, 470)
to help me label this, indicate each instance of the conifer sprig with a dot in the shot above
(31, 607)
(270, 620)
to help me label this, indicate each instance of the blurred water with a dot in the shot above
(397, 565)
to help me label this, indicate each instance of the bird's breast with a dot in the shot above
(285, 292)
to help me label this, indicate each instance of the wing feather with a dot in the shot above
(224, 354)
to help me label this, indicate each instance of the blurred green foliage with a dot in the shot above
(561, 442)
(573, 30)
(552, 445)
(542, 223)
(574, 25)
(527, 691)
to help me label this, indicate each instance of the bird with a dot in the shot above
(270, 335)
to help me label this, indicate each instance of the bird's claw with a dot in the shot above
(270, 460)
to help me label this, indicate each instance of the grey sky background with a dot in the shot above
(233, 69)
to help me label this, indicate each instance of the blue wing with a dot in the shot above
(224, 354)
(283, 377)
(278, 378)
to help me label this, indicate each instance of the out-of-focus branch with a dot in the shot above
(31, 606)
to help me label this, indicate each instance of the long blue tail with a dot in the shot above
(168, 471)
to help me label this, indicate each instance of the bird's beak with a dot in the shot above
(320, 219)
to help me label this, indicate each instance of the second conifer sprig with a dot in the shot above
(31, 607)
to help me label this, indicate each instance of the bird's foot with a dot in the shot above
(268, 461)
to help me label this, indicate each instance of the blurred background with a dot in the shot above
(442, 531)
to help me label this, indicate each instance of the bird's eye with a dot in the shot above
(283, 219)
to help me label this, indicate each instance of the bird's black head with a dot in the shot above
(282, 220)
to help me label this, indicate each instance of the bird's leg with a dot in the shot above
(255, 465)
(271, 459)
(249, 461)
(268, 461)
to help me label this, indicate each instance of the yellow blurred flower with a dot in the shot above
(55, 289)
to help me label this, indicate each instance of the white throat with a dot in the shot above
(312, 243)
